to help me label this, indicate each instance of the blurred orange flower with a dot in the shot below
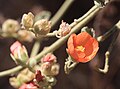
(82, 47)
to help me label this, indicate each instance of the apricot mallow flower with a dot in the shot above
(82, 47)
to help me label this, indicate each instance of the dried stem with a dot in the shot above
(106, 35)
(108, 52)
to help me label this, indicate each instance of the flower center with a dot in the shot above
(80, 48)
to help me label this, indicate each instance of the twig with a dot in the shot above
(61, 41)
(11, 71)
(106, 35)
(108, 52)
(54, 20)
(61, 11)
(76, 21)
(35, 48)
(58, 43)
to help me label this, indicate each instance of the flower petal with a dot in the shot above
(15, 46)
(82, 38)
(71, 48)
(89, 47)
(93, 50)
(71, 44)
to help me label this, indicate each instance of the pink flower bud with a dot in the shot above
(49, 58)
(29, 86)
(18, 52)
(14, 47)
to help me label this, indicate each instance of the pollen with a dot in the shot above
(80, 48)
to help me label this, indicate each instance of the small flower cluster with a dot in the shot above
(44, 76)
(27, 21)
(46, 70)
(11, 28)
(49, 66)
(28, 29)
(40, 27)
(49, 69)
(81, 48)
(23, 77)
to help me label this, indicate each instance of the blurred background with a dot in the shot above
(84, 76)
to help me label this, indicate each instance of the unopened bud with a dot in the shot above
(25, 76)
(30, 85)
(50, 68)
(45, 68)
(42, 27)
(24, 35)
(49, 58)
(18, 52)
(27, 20)
(14, 82)
(55, 69)
(10, 26)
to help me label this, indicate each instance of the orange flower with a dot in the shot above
(82, 47)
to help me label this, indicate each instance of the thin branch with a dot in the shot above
(35, 48)
(61, 41)
(106, 35)
(108, 52)
(54, 20)
(57, 44)
(76, 21)
(11, 71)
(61, 11)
